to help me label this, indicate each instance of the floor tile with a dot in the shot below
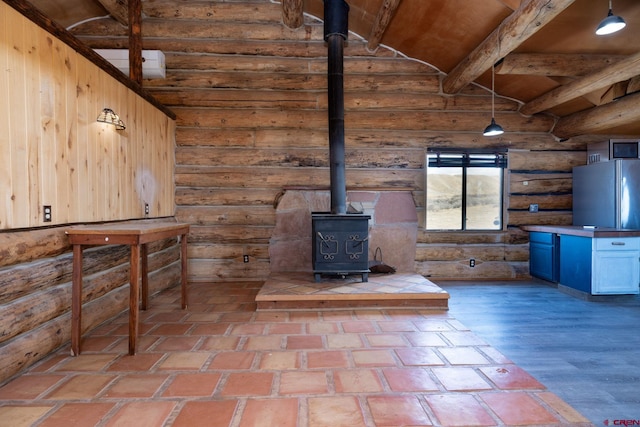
(136, 386)
(335, 411)
(303, 383)
(511, 377)
(409, 379)
(181, 361)
(357, 381)
(419, 357)
(248, 384)
(141, 414)
(459, 410)
(304, 342)
(518, 408)
(270, 412)
(398, 410)
(78, 414)
(29, 387)
(208, 413)
(232, 360)
(463, 356)
(22, 416)
(370, 358)
(188, 384)
(280, 360)
(460, 379)
(82, 386)
(327, 359)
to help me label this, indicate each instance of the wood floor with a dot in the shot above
(587, 352)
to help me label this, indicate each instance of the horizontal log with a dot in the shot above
(398, 138)
(403, 120)
(553, 202)
(230, 234)
(213, 11)
(352, 65)
(191, 176)
(221, 215)
(466, 237)
(229, 251)
(451, 270)
(299, 157)
(220, 271)
(519, 218)
(443, 252)
(196, 196)
(540, 183)
(555, 161)
(25, 246)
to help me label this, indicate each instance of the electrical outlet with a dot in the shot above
(46, 213)
(472, 262)
(245, 258)
(146, 208)
(533, 207)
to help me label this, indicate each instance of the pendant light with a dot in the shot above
(493, 129)
(611, 23)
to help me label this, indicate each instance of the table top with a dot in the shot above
(128, 232)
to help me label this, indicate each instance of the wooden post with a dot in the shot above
(135, 41)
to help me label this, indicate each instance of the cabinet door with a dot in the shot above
(615, 272)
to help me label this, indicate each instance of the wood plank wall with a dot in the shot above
(250, 99)
(52, 150)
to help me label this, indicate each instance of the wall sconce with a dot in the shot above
(108, 116)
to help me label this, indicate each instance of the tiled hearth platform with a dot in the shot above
(298, 290)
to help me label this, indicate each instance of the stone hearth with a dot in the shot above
(393, 227)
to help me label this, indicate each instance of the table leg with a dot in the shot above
(145, 277)
(76, 300)
(134, 297)
(183, 269)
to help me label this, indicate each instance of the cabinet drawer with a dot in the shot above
(538, 237)
(619, 243)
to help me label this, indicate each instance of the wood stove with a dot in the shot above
(340, 244)
(340, 239)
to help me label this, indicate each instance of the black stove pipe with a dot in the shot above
(336, 28)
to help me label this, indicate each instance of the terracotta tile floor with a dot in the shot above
(222, 363)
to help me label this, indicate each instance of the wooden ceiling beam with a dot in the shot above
(618, 72)
(530, 17)
(624, 111)
(118, 9)
(554, 64)
(292, 13)
(383, 19)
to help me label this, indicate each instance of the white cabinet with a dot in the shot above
(615, 265)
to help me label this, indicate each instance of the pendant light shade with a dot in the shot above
(493, 129)
(110, 117)
(611, 23)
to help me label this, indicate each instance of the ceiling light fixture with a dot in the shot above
(108, 116)
(493, 129)
(611, 23)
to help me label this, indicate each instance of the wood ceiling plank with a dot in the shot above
(518, 27)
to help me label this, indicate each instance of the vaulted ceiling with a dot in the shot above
(546, 52)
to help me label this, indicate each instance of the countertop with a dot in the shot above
(578, 230)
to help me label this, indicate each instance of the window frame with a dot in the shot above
(465, 161)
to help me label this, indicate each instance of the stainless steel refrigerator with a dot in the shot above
(607, 194)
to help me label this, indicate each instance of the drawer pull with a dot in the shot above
(618, 243)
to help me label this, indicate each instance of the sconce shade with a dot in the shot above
(493, 129)
(108, 116)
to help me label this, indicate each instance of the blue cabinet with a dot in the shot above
(543, 255)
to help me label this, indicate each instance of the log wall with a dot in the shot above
(53, 152)
(251, 105)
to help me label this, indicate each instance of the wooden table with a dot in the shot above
(136, 235)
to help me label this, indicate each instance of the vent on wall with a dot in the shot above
(153, 66)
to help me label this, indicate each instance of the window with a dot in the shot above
(464, 190)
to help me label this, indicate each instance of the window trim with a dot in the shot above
(464, 161)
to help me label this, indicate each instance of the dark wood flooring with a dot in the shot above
(586, 352)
